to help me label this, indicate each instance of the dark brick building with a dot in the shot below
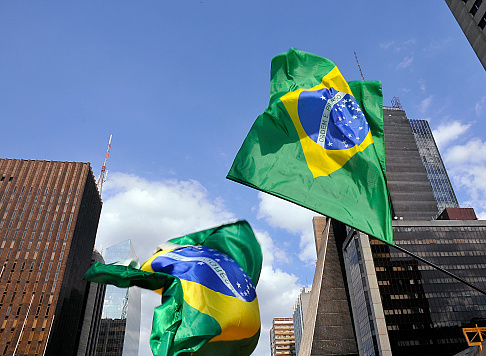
(49, 215)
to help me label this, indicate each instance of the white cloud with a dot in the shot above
(467, 169)
(398, 47)
(421, 84)
(481, 215)
(425, 104)
(448, 132)
(473, 152)
(277, 290)
(151, 212)
(291, 217)
(479, 107)
(435, 47)
(472, 179)
(411, 41)
(387, 45)
(405, 63)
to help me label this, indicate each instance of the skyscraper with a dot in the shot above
(49, 216)
(282, 337)
(400, 305)
(471, 17)
(434, 167)
(94, 297)
(422, 309)
(300, 309)
(120, 324)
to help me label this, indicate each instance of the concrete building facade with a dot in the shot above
(471, 17)
(282, 341)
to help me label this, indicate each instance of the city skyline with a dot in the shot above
(179, 85)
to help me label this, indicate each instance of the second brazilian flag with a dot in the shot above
(320, 144)
(207, 280)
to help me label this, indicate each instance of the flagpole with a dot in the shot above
(436, 267)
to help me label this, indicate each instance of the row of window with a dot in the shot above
(414, 327)
(473, 266)
(451, 280)
(444, 241)
(404, 311)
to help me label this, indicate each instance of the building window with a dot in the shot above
(482, 22)
(475, 7)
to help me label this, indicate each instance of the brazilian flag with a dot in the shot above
(320, 144)
(207, 280)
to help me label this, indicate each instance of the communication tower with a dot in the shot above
(104, 171)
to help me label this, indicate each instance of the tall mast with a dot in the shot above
(359, 67)
(104, 172)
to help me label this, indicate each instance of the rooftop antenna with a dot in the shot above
(104, 171)
(360, 72)
(396, 103)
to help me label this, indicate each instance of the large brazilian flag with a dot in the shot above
(320, 144)
(207, 280)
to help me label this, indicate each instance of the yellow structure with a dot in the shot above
(475, 336)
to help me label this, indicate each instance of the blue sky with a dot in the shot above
(179, 84)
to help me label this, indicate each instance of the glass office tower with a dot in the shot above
(120, 324)
(434, 167)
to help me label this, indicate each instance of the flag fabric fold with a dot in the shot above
(207, 280)
(320, 144)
